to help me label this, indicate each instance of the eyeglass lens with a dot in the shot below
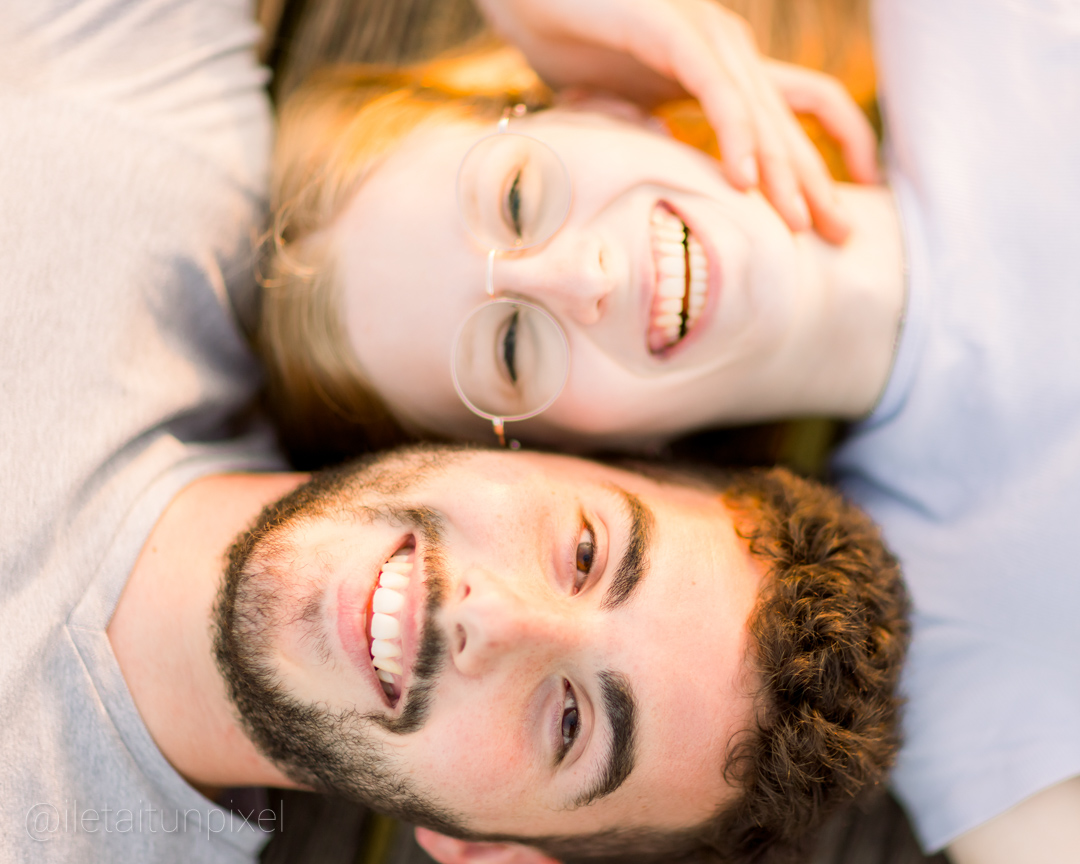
(510, 357)
(513, 191)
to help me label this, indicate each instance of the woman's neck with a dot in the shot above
(856, 305)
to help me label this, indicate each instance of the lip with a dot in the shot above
(354, 602)
(713, 288)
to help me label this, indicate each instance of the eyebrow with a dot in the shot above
(617, 697)
(634, 565)
(621, 710)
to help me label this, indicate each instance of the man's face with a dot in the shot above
(583, 629)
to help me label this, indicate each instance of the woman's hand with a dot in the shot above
(651, 50)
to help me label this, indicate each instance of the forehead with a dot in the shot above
(409, 271)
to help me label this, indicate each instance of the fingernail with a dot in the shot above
(748, 169)
(801, 210)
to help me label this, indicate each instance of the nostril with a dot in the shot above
(459, 638)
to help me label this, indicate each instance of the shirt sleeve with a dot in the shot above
(185, 67)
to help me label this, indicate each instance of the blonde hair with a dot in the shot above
(334, 130)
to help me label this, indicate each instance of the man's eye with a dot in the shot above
(586, 555)
(570, 722)
(512, 205)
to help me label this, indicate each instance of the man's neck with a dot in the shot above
(161, 633)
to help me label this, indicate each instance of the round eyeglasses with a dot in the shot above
(510, 357)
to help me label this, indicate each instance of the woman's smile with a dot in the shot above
(682, 281)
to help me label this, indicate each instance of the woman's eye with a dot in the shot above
(509, 347)
(571, 725)
(512, 205)
(586, 555)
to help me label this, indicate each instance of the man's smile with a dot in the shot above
(385, 625)
(376, 622)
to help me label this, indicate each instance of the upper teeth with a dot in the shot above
(680, 293)
(385, 628)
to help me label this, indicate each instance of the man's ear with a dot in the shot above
(449, 850)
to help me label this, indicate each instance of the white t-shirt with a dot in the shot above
(134, 137)
(972, 462)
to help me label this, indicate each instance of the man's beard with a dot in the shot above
(329, 750)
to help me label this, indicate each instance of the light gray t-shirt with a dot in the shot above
(134, 138)
(972, 462)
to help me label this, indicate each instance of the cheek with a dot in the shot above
(471, 756)
(602, 398)
(403, 350)
(621, 411)
(404, 331)
(773, 265)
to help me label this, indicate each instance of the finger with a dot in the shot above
(668, 38)
(780, 185)
(678, 49)
(830, 218)
(794, 179)
(822, 96)
(812, 187)
(730, 43)
(813, 181)
(777, 133)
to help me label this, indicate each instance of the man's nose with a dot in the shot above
(568, 276)
(490, 623)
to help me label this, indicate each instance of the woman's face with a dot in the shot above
(411, 272)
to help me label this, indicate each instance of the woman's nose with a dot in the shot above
(490, 623)
(568, 277)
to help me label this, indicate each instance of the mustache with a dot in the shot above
(433, 652)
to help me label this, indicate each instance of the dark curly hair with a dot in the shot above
(827, 640)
